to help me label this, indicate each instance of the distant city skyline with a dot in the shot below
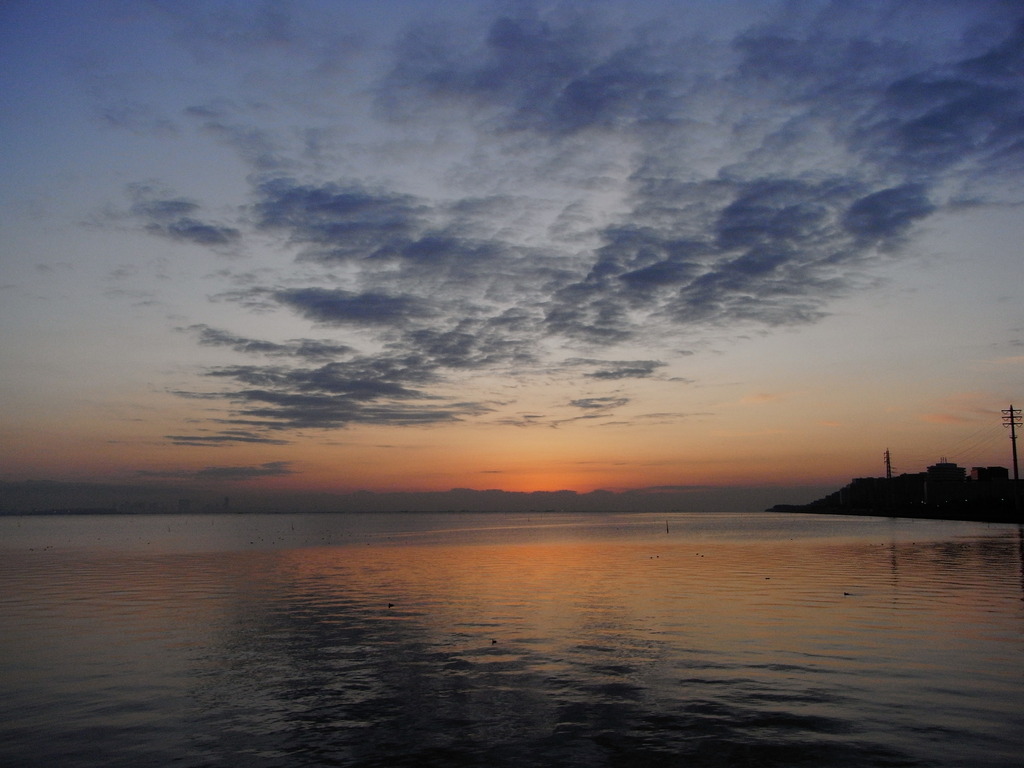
(296, 250)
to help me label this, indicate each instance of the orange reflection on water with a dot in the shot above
(572, 626)
(785, 602)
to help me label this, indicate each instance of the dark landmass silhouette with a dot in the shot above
(920, 496)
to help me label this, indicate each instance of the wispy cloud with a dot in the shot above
(374, 390)
(307, 349)
(225, 473)
(963, 408)
(611, 370)
(599, 403)
(176, 218)
(225, 437)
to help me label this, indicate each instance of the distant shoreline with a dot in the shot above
(82, 512)
(1002, 515)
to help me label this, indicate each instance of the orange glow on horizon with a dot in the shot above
(732, 449)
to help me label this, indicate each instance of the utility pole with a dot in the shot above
(1011, 419)
(890, 500)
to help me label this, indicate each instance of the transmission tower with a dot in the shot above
(890, 492)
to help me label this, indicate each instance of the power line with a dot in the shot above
(981, 443)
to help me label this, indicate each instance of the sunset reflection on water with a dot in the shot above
(468, 640)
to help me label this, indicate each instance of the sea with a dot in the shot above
(541, 639)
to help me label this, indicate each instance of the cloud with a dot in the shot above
(582, 188)
(612, 370)
(599, 403)
(888, 213)
(558, 76)
(768, 253)
(340, 307)
(175, 218)
(373, 390)
(269, 469)
(393, 242)
(924, 107)
(473, 345)
(226, 437)
(307, 349)
(395, 386)
(338, 223)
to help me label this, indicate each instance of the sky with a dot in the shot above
(328, 247)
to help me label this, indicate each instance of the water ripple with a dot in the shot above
(605, 644)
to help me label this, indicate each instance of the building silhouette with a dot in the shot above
(946, 472)
(942, 491)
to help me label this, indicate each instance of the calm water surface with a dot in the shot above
(510, 640)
